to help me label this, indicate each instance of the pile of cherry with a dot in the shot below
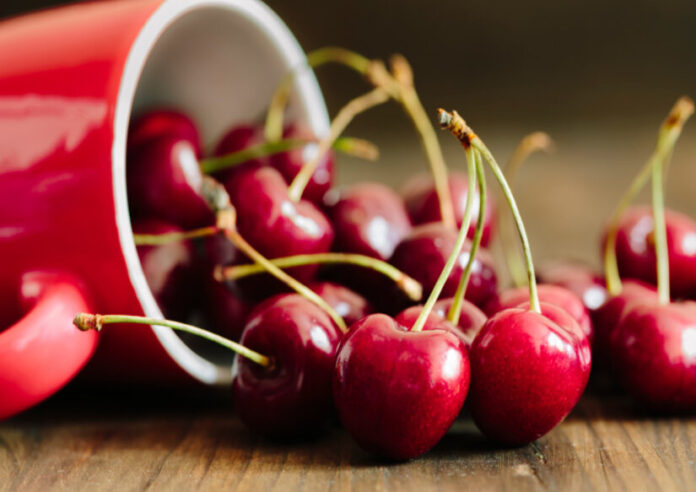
(317, 289)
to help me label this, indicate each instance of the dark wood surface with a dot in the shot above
(101, 439)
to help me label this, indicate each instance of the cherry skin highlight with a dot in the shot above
(292, 398)
(168, 269)
(369, 219)
(165, 181)
(423, 203)
(528, 371)
(635, 249)
(423, 254)
(654, 354)
(551, 294)
(349, 305)
(274, 224)
(397, 392)
(163, 123)
(578, 278)
(289, 164)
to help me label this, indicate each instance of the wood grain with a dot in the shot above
(109, 439)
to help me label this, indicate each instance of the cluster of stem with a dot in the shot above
(469, 140)
(667, 137)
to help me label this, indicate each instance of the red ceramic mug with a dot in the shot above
(70, 79)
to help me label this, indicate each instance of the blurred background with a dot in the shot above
(598, 76)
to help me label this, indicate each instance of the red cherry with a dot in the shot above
(610, 314)
(528, 372)
(424, 252)
(293, 396)
(225, 308)
(238, 138)
(471, 318)
(578, 278)
(275, 225)
(635, 249)
(434, 321)
(654, 354)
(348, 304)
(551, 294)
(168, 269)
(165, 180)
(289, 164)
(369, 219)
(424, 206)
(163, 123)
(397, 392)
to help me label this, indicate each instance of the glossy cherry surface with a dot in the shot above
(157, 123)
(424, 252)
(164, 181)
(608, 316)
(528, 370)
(237, 138)
(275, 225)
(292, 398)
(349, 305)
(289, 164)
(369, 219)
(551, 294)
(397, 392)
(471, 318)
(424, 206)
(578, 278)
(635, 249)
(168, 269)
(654, 354)
(435, 321)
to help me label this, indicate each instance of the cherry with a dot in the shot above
(577, 278)
(551, 294)
(224, 307)
(292, 397)
(635, 250)
(165, 181)
(348, 304)
(471, 319)
(240, 137)
(436, 320)
(423, 204)
(289, 164)
(168, 268)
(422, 254)
(163, 123)
(370, 219)
(654, 354)
(397, 391)
(275, 225)
(528, 371)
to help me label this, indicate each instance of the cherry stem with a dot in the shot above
(227, 223)
(667, 136)
(86, 322)
(403, 74)
(172, 237)
(458, 127)
(537, 141)
(338, 125)
(356, 147)
(408, 285)
(274, 117)
(459, 243)
(455, 310)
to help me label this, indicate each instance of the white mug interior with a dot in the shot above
(218, 61)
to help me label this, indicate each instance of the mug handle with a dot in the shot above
(42, 351)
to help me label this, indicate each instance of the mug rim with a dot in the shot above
(314, 110)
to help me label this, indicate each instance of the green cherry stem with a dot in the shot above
(338, 125)
(458, 127)
(410, 286)
(356, 147)
(459, 243)
(455, 310)
(96, 322)
(173, 237)
(226, 221)
(661, 253)
(537, 141)
(667, 136)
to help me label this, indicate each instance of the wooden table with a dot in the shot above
(97, 439)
